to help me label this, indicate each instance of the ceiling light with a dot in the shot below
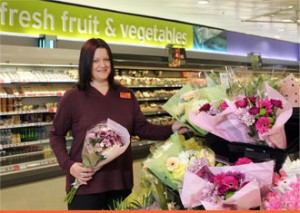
(290, 7)
(203, 2)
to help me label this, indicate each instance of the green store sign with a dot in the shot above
(35, 17)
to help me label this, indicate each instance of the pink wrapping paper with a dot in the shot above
(195, 190)
(276, 136)
(246, 198)
(290, 89)
(227, 125)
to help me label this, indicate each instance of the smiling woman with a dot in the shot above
(97, 97)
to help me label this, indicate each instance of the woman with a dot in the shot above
(96, 98)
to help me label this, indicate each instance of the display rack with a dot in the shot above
(53, 78)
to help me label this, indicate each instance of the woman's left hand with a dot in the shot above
(179, 128)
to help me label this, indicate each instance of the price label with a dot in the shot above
(16, 167)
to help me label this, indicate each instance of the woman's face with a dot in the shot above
(101, 66)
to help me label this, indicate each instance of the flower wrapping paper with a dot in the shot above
(188, 98)
(112, 153)
(157, 162)
(227, 125)
(290, 89)
(196, 190)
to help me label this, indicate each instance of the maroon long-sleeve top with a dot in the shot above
(78, 111)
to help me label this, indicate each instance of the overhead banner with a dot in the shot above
(36, 17)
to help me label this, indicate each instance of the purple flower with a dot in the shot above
(253, 110)
(241, 103)
(276, 103)
(252, 100)
(205, 108)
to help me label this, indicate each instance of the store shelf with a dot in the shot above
(26, 125)
(28, 112)
(15, 173)
(22, 144)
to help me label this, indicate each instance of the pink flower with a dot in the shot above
(223, 189)
(223, 105)
(265, 104)
(262, 125)
(231, 182)
(242, 161)
(218, 178)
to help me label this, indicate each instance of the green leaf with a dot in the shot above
(228, 194)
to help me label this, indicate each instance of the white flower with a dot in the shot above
(187, 156)
(291, 168)
(188, 96)
(172, 163)
(248, 119)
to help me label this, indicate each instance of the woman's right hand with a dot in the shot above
(81, 173)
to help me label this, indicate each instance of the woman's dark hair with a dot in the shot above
(86, 63)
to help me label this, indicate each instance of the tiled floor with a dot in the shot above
(45, 194)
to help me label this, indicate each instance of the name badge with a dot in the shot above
(126, 95)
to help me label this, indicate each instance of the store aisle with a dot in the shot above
(45, 194)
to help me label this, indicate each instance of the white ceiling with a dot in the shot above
(264, 17)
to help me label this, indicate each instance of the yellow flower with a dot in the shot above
(191, 144)
(172, 163)
(179, 172)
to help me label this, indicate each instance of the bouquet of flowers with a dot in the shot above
(285, 191)
(169, 161)
(103, 143)
(166, 165)
(229, 187)
(189, 98)
(247, 119)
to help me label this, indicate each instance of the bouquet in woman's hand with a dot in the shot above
(229, 187)
(249, 119)
(103, 143)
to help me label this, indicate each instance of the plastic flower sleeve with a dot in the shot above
(276, 137)
(201, 191)
(189, 98)
(156, 162)
(170, 160)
